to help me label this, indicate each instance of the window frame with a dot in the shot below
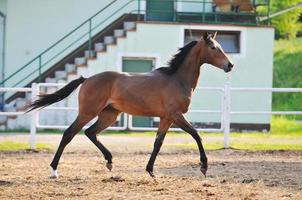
(225, 32)
(242, 29)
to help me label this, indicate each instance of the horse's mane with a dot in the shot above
(178, 59)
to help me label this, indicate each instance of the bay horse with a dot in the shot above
(165, 92)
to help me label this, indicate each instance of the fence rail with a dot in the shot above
(225, 111)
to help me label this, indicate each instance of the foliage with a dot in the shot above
(283, 125)
(288, 73)
(287, 25)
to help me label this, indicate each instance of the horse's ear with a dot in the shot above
(206, 36)
(214, 36)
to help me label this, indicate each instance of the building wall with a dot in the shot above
(253, 65)
(3, 6)
(34, 25)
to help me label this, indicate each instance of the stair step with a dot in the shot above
(72, 77)
(62, 81)
(129, 26)
(80, 61)
(59, 75)
(89, 54)
(50, 80)
(10, 107)
(21, 103)
(83, 71)
(119, 33)
(69, 68)
(28, 96)
(99, 46)
(108, 40)
(3, 120)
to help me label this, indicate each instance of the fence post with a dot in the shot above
(33, 129)
(129, 122)
(226, 115)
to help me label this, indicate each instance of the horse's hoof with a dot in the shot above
(203, 170)
(53, 173)
(151, 174)
(109, 166)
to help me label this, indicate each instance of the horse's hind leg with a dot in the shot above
(164, 125)
(186, 126)
(106, 118)
(68, 135)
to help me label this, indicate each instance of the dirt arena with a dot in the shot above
(232, 174)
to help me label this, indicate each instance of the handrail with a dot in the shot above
(56, 43)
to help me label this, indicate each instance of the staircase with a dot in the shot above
(72, 66)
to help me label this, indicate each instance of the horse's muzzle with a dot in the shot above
(228, 68)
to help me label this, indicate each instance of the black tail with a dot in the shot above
(48, 99)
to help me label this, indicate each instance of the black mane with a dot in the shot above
(177, 59)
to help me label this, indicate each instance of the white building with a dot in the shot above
(136, 35)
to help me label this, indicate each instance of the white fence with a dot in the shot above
(128, 125)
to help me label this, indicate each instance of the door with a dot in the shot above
(139, 66)
(160, 10)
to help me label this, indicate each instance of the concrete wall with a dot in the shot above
(3, 6)
(253, 65)
(34, 25)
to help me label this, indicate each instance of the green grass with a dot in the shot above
(263, 146)
(286, 127)
(288, 73)
(285, 134)
(19, 146)
(247, 141)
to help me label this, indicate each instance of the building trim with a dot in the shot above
(138, 56)
(242, 39)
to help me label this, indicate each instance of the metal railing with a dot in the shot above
(84, 33)
(41, 63)
(225, 111)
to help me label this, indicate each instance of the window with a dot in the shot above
(229, 40)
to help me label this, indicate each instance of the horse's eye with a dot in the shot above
(213, 47)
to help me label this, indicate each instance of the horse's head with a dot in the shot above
(214, 54)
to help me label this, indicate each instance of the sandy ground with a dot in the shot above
(82, 173)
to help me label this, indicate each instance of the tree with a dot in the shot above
(287, 25)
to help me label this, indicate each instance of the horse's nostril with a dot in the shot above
(231, 65)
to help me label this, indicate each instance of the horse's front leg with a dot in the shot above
(182, 123)
(164, 125)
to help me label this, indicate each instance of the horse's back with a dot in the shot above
(134, 93)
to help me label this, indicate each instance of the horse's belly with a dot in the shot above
(137, 96)
(138, 107)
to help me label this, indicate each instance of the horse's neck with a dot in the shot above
(188, 73)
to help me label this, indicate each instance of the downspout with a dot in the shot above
(3, 56)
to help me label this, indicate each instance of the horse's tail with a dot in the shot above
(48, 99)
